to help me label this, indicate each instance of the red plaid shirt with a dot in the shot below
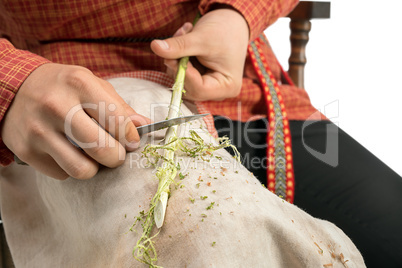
(87, 33)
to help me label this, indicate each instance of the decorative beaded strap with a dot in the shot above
(279, 153)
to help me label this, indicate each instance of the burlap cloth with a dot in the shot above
(76, 223)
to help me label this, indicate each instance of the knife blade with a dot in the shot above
(147, 128)
(168, 123)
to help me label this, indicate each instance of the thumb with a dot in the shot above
(180, 45)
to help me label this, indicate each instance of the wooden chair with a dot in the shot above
(300, 26)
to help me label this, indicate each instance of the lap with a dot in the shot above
(218, 216)
(357, 191)
(336, 179)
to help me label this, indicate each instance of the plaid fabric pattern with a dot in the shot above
(59, 30)
(259, 14)
(15, 66)
(164, 79)
(153, 76)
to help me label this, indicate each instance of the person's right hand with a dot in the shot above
(58, 100)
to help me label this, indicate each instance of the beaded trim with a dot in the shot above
(280, 174)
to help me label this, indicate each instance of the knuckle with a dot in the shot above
(200, 95)
(101, 153)
(124, 128)
(51, 106)
(197, 95)
(36, 130)
(78, 78)
(109, 156)
(181, 43)
(107, 85)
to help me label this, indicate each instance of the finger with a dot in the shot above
(93, 139)
(71, 159)
(136, 118)
(202, 84)
(171, 67)
(210, 86)
(186, 28)
(111, 112)
(139, 120)
(193, 82)
(45, 164)
(178, 47)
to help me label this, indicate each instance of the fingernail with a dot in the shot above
(133, 145)
(163, 44)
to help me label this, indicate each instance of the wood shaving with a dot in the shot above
(343, 261)
(320, 251)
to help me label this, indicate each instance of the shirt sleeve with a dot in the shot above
(259, 14)
(15, 66)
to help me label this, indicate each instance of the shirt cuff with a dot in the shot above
(6, 156)
(15, 66)
(258, 14)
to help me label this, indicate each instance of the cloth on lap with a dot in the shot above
(85, 223)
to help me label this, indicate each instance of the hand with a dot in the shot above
(56, 100)
(219, 41)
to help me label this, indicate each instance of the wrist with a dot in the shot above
(219, 6)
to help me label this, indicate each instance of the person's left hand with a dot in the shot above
(219, 41)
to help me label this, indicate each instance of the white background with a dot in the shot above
(353, 74)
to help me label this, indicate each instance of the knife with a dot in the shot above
(168, 123)
(148, 128)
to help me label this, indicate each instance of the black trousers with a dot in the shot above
(336, 179)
